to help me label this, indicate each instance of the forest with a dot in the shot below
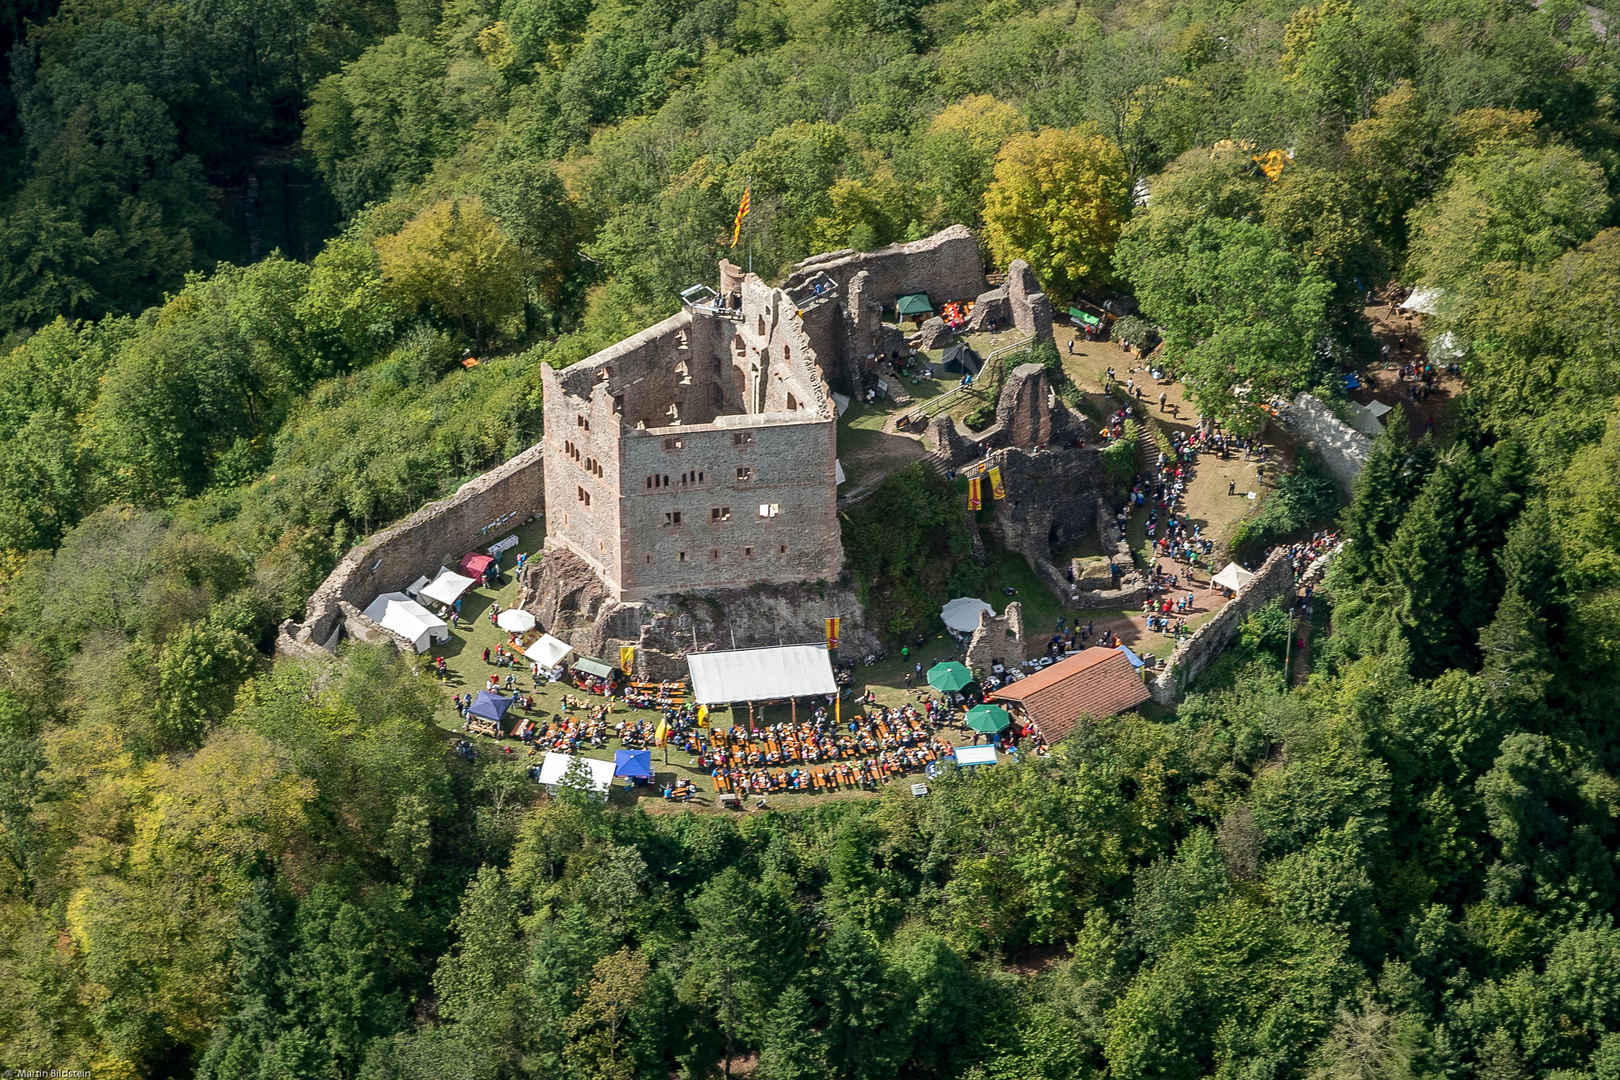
(245, 249)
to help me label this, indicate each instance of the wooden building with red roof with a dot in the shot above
(1094, 682)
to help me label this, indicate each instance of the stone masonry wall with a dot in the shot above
(1275, 578)
(1342, 448)
(946, 266)
(438, 534)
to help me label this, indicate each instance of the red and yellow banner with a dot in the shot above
(742, 212)
(996, 490)
(832, 633)
(974, 500)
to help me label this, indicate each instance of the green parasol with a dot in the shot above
(949, 676)
(988, 719)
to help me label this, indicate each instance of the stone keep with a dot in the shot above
(700, 454)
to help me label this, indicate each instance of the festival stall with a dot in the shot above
(476, 565)
(959, 359)
(410, 620)
(448, 586)
(1234, 577)
(554, 766)
(487, 714)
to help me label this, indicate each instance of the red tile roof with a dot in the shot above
(1097, 682)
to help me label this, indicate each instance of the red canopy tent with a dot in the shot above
(473, 564)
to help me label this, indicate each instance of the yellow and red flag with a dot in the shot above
(742, 212)
(974, 500)
(832, 633)
(996, 490)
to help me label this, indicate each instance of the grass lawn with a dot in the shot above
(1010, 570)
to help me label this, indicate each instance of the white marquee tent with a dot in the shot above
(770, 674)
(554, 766)
(448, 586)
(397, 612)
(1234, 577)
(963, 613)
(548, 652)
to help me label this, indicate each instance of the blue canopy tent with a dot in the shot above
(636, 763)
(1136, 661)
(490, 706)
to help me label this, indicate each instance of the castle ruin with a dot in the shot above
(702, 451)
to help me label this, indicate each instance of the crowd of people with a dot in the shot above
(817, 754)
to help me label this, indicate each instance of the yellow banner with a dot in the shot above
(974, 500)
(661, 736)
(996, 490)
(832, 633)
(703, 715)
(627, 658)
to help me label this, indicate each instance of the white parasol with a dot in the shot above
(515, 619)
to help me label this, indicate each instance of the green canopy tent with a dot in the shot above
(913, 304)
(988, 719)
(1081, 317)
(949, 676)
(592, 666)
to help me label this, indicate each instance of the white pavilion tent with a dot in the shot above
(784, 671)
(554, 766)
(548, 652)
(448, 586)
(410, 620)
(1234, 577)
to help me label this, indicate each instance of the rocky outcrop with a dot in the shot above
(570, 602)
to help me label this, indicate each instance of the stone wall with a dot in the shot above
(946, 266)
(1342, 448)
(438, 534)
(1275, 578)
(998, 637)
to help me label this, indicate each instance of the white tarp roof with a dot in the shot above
(548, 652)
(838, 472)
(963, 613)
(1234, 577)
(1447, 347)
(447, 587)
(840, 400)
(1378, 409)
(554, 766)
(975, 755)
(760, 674)
(1425, 300)
(397, 612)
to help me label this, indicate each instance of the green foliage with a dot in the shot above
(1303, 498)
(1119, 457)
(215, 862)
(1240, 313)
